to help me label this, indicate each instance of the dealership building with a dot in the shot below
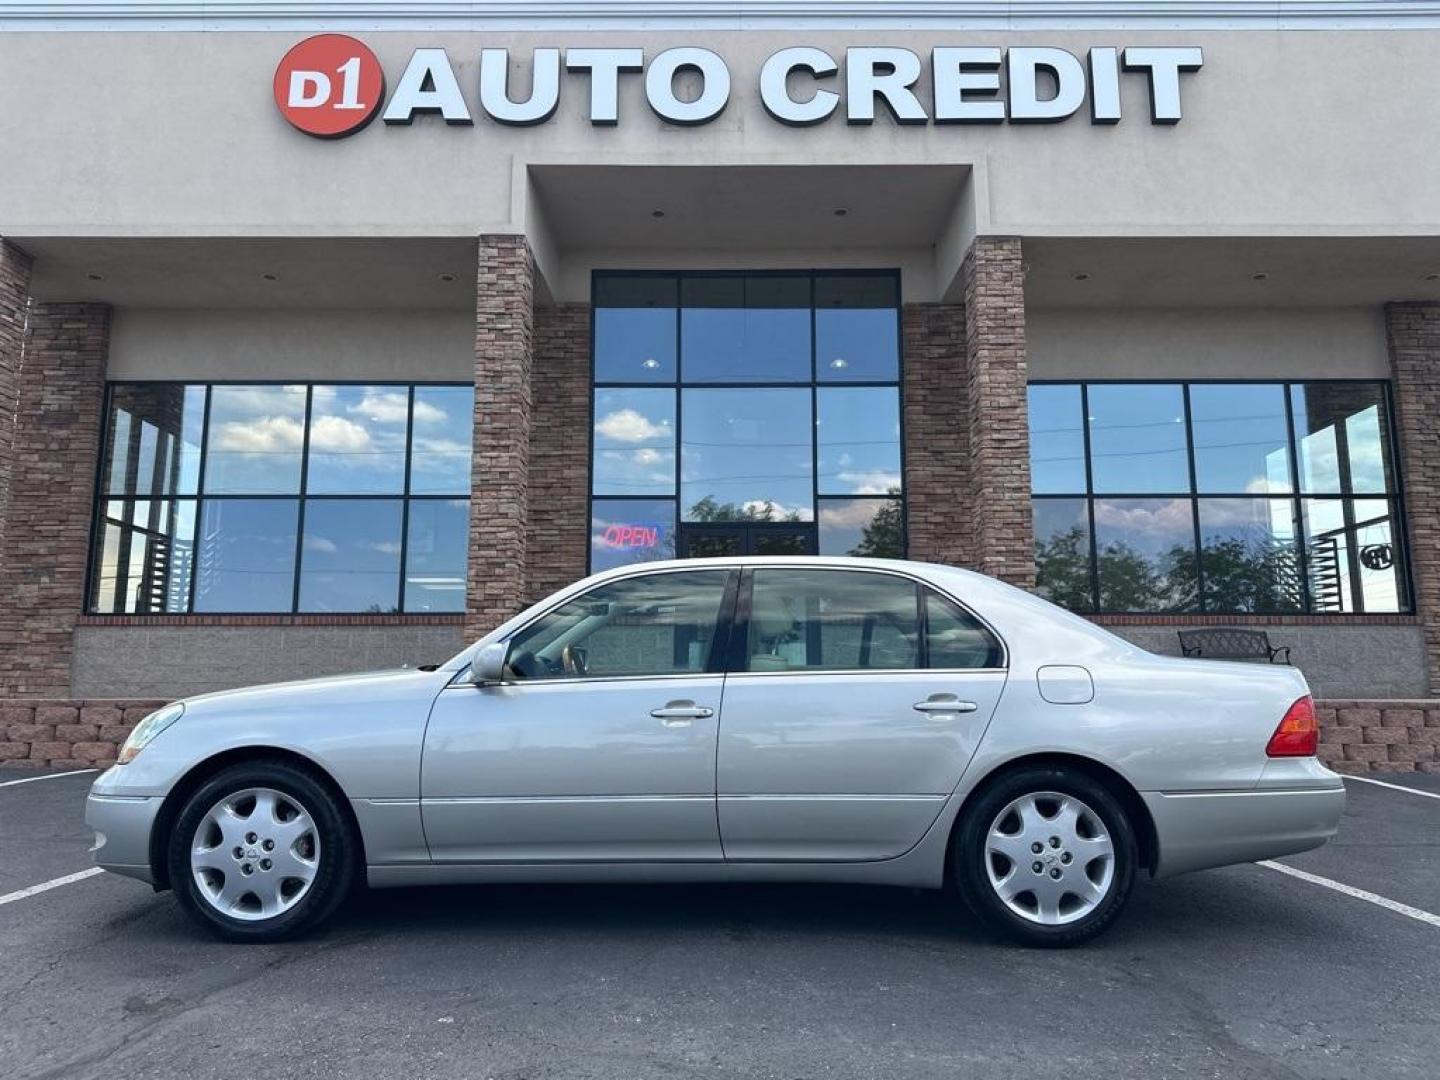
(332, 334)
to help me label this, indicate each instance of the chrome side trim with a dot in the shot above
(835, 798)
(580, 800)
(589, 680)
(868, 672)
(1260, 793)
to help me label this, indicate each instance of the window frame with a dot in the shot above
(101, 496)
(1394, 498)
(678, 384)
(732, 631)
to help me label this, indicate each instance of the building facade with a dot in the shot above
(327, 341)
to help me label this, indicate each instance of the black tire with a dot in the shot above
(970, 855)
(338, 856)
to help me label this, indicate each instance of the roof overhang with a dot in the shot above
(716, 14)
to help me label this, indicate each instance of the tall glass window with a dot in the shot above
(1241, 497)
(233, 498)
(738, 413)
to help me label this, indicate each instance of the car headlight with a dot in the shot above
(145, 731)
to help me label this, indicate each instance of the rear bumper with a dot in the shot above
(122, 825)
(1202, 829)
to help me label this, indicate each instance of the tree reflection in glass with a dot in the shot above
(1145, 551)
(1249, 555)
(1062, 553)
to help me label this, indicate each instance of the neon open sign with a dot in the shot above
(632, 536)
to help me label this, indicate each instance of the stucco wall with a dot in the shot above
(283, 344)
(168, 662)
(1204, 343)
(1338, 661)
(165, 134)
(176, 661)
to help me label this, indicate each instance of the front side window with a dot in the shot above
(655, 624)
(275, 498)
(1263, 498)
(745, 413)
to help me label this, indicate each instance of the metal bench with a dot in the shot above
(1232, 643)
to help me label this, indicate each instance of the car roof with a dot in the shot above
(922, 569)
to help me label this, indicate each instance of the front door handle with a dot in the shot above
(944, 703)
(680, 713)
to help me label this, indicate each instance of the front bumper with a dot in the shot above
(1201, 829)
(122, 825)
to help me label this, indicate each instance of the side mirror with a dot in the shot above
(488, 666)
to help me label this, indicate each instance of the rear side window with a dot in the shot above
(957, 639)
(832, 620)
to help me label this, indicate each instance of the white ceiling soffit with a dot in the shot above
(716, 14)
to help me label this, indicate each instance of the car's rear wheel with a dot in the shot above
(261, 851)
(1046, 856)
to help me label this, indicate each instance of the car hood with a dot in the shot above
(334, 689)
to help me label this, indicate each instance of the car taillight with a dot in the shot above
(1299, 732)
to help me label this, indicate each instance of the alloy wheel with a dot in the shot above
(255, 854)
(1049, 858)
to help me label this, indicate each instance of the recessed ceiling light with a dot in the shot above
(657, 213)
(1081, 276)
(93, 276)
(839, 363)
(841, 211)
(650, 363)
(447, 277)
(1261, 276)
(270, 277)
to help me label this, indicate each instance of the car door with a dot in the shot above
(855, 700)
(600, 743)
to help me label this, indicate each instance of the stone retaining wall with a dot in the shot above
(1355, 736)
(39, 734)
(1380, 736)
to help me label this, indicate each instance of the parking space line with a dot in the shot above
(47, 776)
(46, 886)
(1416, 913)
(1395, 787)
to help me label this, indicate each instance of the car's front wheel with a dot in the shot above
(261, 851)
(1046, 856)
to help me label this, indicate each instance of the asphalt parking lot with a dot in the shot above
(1244, 972)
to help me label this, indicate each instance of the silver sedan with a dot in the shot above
(786, 719)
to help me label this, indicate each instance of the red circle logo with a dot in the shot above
(329, 85)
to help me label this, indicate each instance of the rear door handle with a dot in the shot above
(944, 703)
(680, 713)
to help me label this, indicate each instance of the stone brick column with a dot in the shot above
(1413, 331)
(500, 470)
(937, 435)
(558, 531)
(999, 442)
(14, 298)
(56, 448)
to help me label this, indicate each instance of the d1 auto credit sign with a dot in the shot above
(329, 85)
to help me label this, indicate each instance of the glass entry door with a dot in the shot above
(719, 541)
